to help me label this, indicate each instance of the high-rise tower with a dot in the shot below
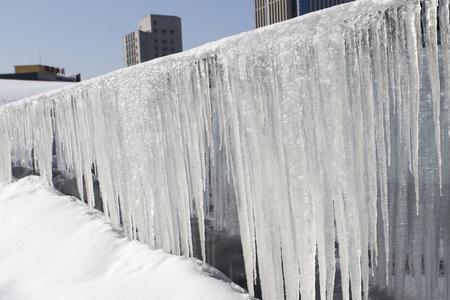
(157, 36)
(273, 11)
(307, 6)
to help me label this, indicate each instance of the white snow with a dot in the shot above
(13, 90)
(53, 247)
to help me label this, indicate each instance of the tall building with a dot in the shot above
(157, 36)
(307, 6)
(40, 73)
(273, 11)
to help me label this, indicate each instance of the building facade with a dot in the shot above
(157, 36)
(273, 11)
(307, 6)
(40, 73)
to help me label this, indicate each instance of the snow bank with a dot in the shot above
(53, 247)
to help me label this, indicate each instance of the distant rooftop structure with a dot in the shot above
(40, 73)
(157, 36)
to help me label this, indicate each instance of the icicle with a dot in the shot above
(431, 50)
(5, 150)
(379, 76)
(444, 22)
(413, 45)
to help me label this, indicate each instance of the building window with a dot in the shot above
(155, 30)
(171, 31)
(172, 42)
(155, 22)
(156, 48)
(156, 41)
(172, 49)
(164, 31)
(164, 42)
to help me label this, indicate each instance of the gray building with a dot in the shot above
(157, 36)
(273, 11)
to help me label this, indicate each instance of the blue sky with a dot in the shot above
(85, 35)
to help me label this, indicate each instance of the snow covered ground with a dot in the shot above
(53, 247)
(12, 90)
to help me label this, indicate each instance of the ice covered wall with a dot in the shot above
(328, 134)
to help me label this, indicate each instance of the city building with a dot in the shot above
(307, 6)
(273, 11)
(40, 73)
(157, 36)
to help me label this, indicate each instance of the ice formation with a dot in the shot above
(328, 136)
(52, 247)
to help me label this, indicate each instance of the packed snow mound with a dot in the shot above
(13, 90)
(53, 247)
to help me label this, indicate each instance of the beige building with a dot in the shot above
(273, 11)
(40, 73)
(157, 36)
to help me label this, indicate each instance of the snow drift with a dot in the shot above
(327, 135)
(53, 247)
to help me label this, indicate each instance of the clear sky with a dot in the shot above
(85, 36)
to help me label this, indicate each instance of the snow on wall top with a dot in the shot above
(13, 90)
